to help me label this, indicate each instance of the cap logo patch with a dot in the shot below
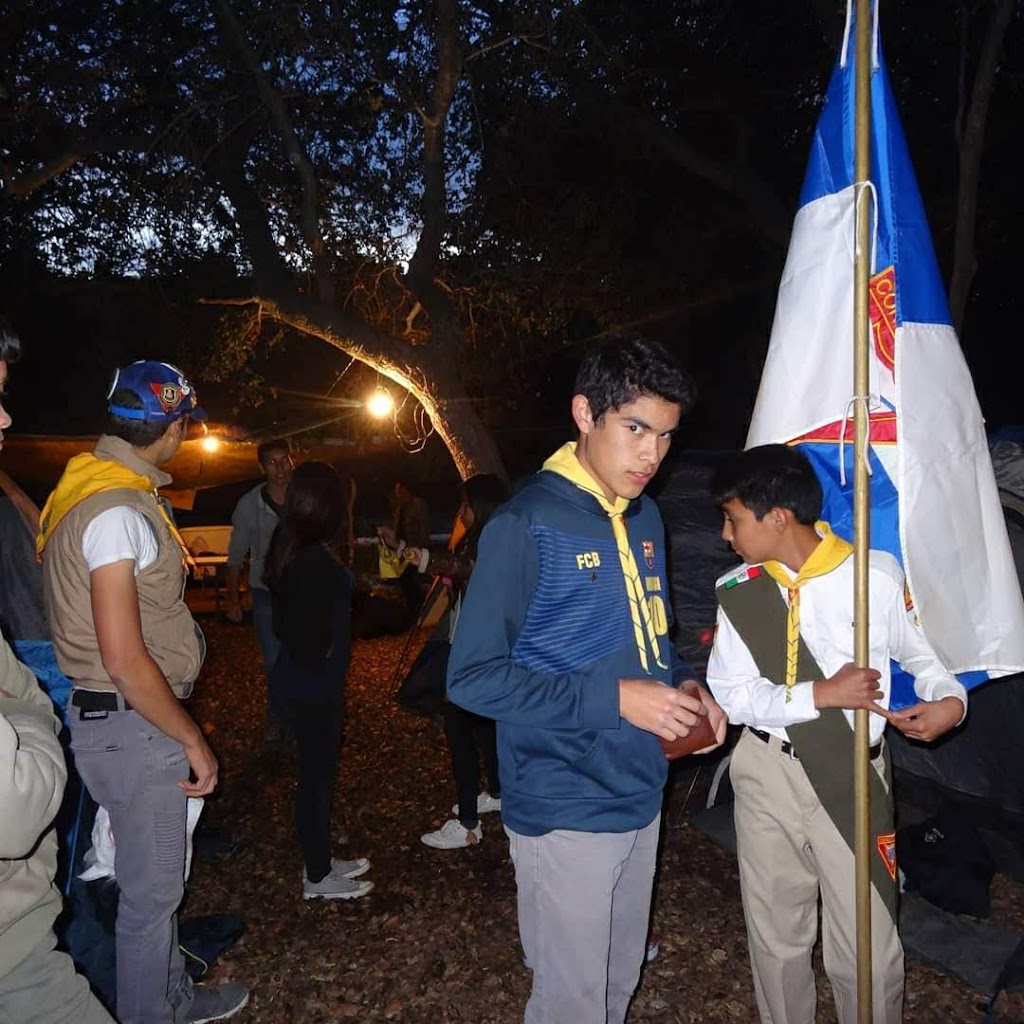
(170, 395)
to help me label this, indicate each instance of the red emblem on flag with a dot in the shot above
(649, 553)
(887, 851)
(882, 311)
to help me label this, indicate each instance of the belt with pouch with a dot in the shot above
(787, 748)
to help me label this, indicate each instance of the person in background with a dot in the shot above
(38, 983)
(410, 528)
(311, 593)
(113, 585)
(252, 525)
(469, 736)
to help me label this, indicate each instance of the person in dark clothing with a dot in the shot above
(311, 597)
(410, 528)
(470, 737)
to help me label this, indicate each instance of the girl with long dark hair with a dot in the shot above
(470, 737)
(311, 594)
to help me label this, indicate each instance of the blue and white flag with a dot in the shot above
(934, 500)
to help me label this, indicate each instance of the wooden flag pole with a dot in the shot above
(862, 505)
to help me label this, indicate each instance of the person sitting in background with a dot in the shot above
(469, 736)
(252, 525)
(311, 593)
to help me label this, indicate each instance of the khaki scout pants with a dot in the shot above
(44, 989)
(789, 854)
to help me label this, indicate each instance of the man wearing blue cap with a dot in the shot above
(113, 583)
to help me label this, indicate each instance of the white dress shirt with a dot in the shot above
(826, 625)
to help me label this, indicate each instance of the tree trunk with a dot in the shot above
(971, 145)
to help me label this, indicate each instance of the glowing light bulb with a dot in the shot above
(210, 444)
(380, 404)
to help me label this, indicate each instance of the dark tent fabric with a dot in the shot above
(697, 555)
(21, 595)
(984, 758)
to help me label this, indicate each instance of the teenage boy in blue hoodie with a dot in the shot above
(563, 640)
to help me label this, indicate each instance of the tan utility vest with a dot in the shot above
(168, 630)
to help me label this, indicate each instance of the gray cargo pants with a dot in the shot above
(133, 769)
(584, 902)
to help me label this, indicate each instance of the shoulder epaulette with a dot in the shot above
(744, 575)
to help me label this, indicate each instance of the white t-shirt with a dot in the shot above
(117, 534)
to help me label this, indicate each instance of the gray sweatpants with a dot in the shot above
(584, 907)
(133, 769)
(44, 989)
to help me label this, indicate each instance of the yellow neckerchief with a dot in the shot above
(565, 463)
(86, 475)
(828, 555)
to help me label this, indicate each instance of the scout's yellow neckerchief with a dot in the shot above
(828, 555)
(84, 476)
(565, 463)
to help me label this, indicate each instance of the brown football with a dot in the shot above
(699, 737)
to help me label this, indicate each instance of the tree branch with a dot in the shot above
(426, 260)
(294, 150)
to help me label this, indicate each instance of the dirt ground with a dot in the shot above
(436, 940)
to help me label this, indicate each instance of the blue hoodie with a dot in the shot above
(544, 637)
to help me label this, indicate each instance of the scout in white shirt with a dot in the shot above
(782, 666)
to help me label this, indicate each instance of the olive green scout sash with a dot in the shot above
(824, 745)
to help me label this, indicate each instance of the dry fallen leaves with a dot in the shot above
(436, 941)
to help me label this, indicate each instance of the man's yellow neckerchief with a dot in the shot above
(565, 463)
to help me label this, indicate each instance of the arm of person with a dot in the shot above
(238, 547)
(456, 566)
(747, 697)
(484, 677)
(943, 704)
(115, 610)
(32, 767)
(32, 775)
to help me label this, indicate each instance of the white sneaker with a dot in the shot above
(338, 883)
(452, 835)
(485, 804)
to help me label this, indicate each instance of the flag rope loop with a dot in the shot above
(846, 35)
(859, 188)
(865, 400)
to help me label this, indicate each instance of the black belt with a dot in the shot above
(787, 747)
(94, 702)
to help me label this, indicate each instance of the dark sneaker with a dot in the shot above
(216, 1002)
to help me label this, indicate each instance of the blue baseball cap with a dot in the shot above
(164, 391)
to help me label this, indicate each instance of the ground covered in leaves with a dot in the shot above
(436, 940)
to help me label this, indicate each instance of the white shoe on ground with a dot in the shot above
(485, 804)
(452, 835)
(338, 883)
